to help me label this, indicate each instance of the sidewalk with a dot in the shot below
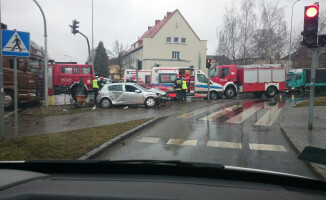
(294, 125)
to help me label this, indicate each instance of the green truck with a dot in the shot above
(298, 80)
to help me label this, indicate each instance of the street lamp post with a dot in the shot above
(291, 31)
(45, 57)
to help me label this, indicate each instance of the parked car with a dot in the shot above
(126, 94)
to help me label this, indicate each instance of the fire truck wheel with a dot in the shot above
(150, 102)
(271, 91)
(229, 92)
(9, 99)
(105, 103)
(214, 95)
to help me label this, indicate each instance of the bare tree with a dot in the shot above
(117, 54)
(247, 27)
(229, 35)
(269, 40)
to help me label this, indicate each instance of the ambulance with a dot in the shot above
(163, 78)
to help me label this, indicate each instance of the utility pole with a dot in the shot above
(312, 87)
(2, 108)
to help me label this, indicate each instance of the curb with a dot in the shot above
(320, 173)
(100, 149)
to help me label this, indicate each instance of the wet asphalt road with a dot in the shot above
(242, 133)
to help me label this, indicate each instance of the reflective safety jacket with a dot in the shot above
(95, 84)
(184, 85)
(177, 84)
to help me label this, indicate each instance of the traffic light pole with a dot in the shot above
(314, 63)
(209, 85)
(89, 51)
(137, 67)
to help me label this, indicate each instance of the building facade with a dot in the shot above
(171, 42)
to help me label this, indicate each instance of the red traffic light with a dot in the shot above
(208, 60)
(312, 11)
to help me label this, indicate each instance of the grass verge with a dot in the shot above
(317, 102)
(57, 110)
(63, 145)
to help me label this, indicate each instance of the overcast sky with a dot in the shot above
(124, 20)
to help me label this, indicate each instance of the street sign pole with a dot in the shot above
(312, 87)
(2, 114)
(15, 98)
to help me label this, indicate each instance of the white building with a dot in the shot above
(171, 42)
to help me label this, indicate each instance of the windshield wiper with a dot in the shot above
(163, 162)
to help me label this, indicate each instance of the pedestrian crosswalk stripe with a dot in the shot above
(199, 111)
(269, 117)
(182, 142)
(233, 145)
(149, 140)
(220, 113)
(243, 115)
(266, 147)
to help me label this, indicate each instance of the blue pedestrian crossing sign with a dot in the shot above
(15, 43)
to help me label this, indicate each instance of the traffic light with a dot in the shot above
(208, 63)
(74, 27)
(310, 27)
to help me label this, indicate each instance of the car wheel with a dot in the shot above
(105, 103)
(229, 92)
(214, 95)
(271, 91)
(150, 102)
(9, 100)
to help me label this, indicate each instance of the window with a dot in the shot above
(183, 40)
(117, 88)
(168, 39)
(214, 72)
(66, 70)
(86, 70)
(202, 78)
(76, 70)
(175, 55)
(176, 40)
(147, 79)
(130, 88)
(297, 77)
(225, 72)
(167, 78)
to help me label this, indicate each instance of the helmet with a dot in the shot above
(102, 78)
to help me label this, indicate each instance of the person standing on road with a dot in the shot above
(101, 82)
(184, 90)
(177, 87)
(95, 87)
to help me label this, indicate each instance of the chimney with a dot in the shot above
(149, 27)
(168, 14)
(156, 22)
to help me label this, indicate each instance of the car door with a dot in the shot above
(116, 93)
(201, 83)
(133, 97)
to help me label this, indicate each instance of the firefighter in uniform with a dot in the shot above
(95, 87)
(177, 88)
(184, 90)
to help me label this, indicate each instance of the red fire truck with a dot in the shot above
(64, 77)
(266, 79)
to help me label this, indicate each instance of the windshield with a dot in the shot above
(253, 116)
(289, 77)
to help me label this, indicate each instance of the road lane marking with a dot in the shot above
(232, 145)
(149, 140)
(220, 113)
(269, 117)
(199, 111)
(182, 142)
(243, 115)
(266, 147)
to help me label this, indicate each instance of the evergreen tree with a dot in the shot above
(101, 60)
